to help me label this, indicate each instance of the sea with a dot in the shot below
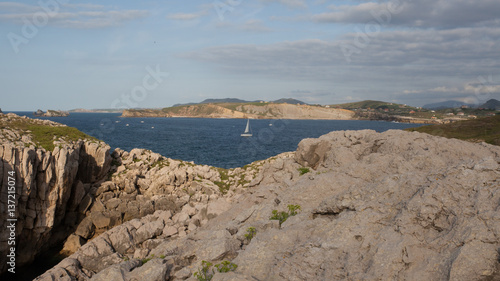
(209, 141)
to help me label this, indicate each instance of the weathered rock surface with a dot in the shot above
(143, 182)
(374, 206)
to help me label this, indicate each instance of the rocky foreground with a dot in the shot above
(361, 205)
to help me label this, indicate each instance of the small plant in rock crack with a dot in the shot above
(251, 231)
(226, 266)
(303, 170)
(206, 272)
(283, 216)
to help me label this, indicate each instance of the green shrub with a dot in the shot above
(251, 231)
(292, 209)
(226, 266)
(283, 216)
(303, 170)
(205, 274)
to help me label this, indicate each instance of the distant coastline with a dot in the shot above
(83, 110)
(288, 108)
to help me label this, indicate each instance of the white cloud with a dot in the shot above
(423, 13)
(470, 92)
(252, 25)
(85, 16)
(17, 7)
(183, 16)
(426, 53)
(84, 6)
(289, 3)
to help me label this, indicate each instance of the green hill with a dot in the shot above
(370, 104)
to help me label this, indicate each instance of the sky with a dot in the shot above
(67, 54)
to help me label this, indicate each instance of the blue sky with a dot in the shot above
(65, 54)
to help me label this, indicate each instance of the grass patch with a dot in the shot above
(223, 184)
(46, 135)
(485, 129)
(160, 164)
(242, 180)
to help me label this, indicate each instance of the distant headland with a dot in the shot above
(51, 113)
(233, 108)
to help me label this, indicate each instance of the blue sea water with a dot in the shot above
(215, 142)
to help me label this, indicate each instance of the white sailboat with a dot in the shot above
(247, 132)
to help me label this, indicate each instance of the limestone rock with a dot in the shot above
(149, 230)
(86, 228)
(216, 208)
(72, 244)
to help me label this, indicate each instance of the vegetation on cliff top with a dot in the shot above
(42, 134)
(46, 135)
(485, 129)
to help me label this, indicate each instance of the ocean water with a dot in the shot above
(214, 142)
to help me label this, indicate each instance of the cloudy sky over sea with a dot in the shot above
(65, 54)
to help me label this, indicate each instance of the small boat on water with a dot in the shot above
(247, 132)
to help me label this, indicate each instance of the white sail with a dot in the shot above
(247, 129)
(247, 132)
